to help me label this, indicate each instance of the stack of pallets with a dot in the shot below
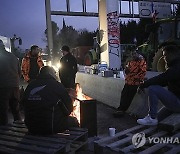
(122, 142)
(14, 138)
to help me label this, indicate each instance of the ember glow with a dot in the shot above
(76, 104)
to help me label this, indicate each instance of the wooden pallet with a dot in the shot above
(171, 123)
(122, 142)
(14, 138)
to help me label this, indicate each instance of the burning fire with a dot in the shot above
(76, 104)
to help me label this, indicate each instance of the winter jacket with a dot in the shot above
(68, 66)
(170, 78)
(9, 70)
(47, 105)
(25, 66)
(135, 71)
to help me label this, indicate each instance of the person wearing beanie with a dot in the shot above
(47, 105)
(68, 69)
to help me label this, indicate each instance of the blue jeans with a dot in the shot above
(168, 99)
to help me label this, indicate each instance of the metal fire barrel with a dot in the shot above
(88, 116)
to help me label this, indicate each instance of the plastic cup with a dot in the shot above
(112, 132)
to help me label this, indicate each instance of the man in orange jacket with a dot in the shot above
(135, 72)
(31, 64)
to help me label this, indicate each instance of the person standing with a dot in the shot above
(47, 105)
(9, 85)
(31, 64)
(135, 72)
(170, 98)
(68, 69)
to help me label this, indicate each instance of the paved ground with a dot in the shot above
(105, 120)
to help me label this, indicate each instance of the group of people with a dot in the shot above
(32, 62)
(135, 82)
(47, 103)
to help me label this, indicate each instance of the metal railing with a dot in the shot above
(130, 5)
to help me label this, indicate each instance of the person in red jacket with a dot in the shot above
(31, 64)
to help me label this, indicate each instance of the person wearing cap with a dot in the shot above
(9, 85)
(47, 104)
(68, 69)
(135, 72)
(31, 64)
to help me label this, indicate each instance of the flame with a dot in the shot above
(76, 110)
(76, 103)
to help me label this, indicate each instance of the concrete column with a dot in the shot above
(110, 33)
(49, 25)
